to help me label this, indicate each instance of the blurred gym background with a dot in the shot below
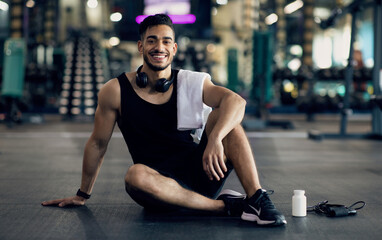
(283, 56)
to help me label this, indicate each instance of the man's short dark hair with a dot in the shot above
(154, 20)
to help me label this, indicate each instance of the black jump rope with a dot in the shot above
(336, 210)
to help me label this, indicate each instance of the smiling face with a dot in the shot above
(158, 47)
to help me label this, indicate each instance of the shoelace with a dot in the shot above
(264, 201)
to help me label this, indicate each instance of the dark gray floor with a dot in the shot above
(43, 162)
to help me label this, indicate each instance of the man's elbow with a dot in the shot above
(240, 101)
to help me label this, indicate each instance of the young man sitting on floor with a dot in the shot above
(156, 109)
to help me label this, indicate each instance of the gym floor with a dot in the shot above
(43, 161)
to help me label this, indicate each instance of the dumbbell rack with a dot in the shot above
(83, 78)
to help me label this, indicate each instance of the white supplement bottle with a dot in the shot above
(298, 203)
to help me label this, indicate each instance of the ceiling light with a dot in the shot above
(4, 6)
(176, 19)
(92, 3)
(114, 41)
(271, 19)
(294, 6)
(30, 4)
(214, 11)
(222, 2)
(116, 17)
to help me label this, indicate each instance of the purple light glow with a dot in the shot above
(176, 19)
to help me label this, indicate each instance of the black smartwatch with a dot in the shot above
(82, 194)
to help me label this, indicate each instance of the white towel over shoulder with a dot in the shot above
(192, 112)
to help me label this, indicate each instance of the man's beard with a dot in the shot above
(152, 67)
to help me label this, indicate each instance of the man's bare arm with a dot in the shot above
(231, 108)
(95, 149)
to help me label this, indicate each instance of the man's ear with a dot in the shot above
(175, 48)
(140, 46)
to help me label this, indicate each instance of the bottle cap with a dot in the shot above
(299, 192)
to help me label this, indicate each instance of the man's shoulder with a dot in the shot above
(125, 75)
(111, 85)
(110, 93)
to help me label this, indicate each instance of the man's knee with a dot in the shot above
(136, 177)
(140, 184)
(238, 131)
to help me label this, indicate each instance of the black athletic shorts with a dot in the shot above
(192, 176)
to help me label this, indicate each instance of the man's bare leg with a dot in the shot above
(149, 188)
(238, 150)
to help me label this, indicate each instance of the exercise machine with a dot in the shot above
(354, 8)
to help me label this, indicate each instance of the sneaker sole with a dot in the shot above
(254, 218)
(232, 193)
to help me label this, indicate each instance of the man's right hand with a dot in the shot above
(76, 201)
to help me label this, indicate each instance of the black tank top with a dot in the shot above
(150, 130)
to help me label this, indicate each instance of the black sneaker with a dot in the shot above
(260, 209)
(234, 202)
